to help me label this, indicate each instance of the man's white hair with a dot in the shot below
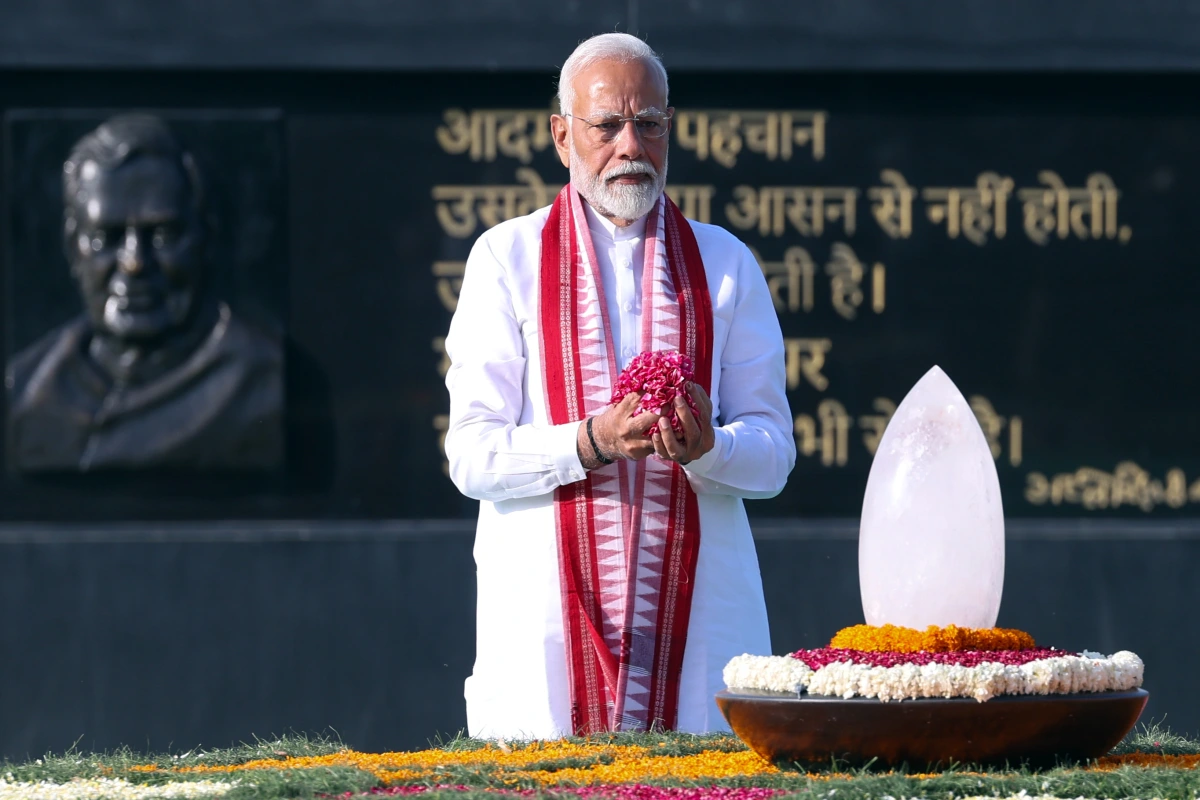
(621, 47)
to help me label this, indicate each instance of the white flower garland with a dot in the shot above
(774, 673)
(111, 789)
(1089, 672)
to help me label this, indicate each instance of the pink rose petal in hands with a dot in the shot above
(660, 376)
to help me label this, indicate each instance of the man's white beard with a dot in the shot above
(620, 201)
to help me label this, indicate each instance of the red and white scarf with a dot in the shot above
(627, 565)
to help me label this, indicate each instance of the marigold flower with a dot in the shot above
(1107, 763)
(707, 765)
(897, 639)
(423, 763)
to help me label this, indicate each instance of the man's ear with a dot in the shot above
(559, 131)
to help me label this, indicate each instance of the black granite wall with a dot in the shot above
(182, 635)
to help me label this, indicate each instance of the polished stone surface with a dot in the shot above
(931, 545)
(932, 733)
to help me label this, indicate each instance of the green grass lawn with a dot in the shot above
(319, 766)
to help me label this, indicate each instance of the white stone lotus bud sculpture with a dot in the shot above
(931, 540)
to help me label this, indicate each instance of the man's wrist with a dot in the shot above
(590, 455)
(701, 465)
(596, 451)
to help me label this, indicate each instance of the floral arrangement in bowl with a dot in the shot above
(931, 551)
(660, 375)
(895, 663)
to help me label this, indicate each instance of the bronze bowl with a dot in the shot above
(1035, 730)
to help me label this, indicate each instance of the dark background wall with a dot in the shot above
(490, 35)
(175, 636)
(338, 592)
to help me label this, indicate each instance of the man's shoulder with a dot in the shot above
(514, 245)
(252, 347)
(245, 333)
(719, 245)
(47, 353)
(517, 230)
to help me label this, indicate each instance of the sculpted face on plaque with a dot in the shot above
(157, 371)
(135, 243)
(931, 541)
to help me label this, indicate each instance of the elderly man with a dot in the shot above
(616, 570)
(157, 372)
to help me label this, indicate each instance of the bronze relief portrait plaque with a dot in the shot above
(145, 292)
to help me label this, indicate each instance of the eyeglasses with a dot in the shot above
(605, 128)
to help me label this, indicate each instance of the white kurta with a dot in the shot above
(503, 452)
